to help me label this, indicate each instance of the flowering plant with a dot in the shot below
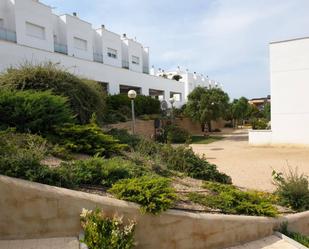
(102, 231)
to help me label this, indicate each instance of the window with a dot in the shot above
(80, 44)
(1, 23)
(35, 30)
(112, 53)
(135, 60)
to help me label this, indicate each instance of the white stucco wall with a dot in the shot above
(12, 54)
(289, 63)
(7, 13)
(145, 60)
(260, 137)
(113, 41)
(135, 49)
(29, 11)
(78, 29)
(59, 30)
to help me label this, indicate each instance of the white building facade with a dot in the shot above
(30, 32)
(289, 66)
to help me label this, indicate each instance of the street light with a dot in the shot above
(132, 95)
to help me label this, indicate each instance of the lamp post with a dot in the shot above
(132, 95)
(172, 101)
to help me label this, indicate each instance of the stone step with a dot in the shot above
(50, 243)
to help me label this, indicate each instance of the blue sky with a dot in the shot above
(225, 39)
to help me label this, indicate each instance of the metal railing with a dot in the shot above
(146, 70)
(60, 48)
(98, 57)
(8, 35)
(125, 64)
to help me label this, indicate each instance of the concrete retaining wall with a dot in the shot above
(260, 137)
(32, 210)
(146, 127)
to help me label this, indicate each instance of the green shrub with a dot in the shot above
(175, 134)
(292, 189)
(100, 171)
(60, 152)
(183, 159)
(154, 194)
(259, 124)
(89, 139)
(102, 231)
(230, 200)
(85, 96)
(300, 238)
(21, 155)
(125, 137)
(37, 112)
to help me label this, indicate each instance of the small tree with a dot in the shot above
(266, 111)
(240, 109)
(205, 105)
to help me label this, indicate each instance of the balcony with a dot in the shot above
(98, 57)
(125, 64)
(146, 70)
(60, 48)
(7, 35)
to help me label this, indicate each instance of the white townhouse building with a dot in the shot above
(31, 32)
(289, 75)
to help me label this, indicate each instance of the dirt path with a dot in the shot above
(249, 166)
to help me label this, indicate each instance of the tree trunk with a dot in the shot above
(209, 126)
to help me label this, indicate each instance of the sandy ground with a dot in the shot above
(250, 166)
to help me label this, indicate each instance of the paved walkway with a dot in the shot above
(271, 242)
(53, 243)
(249, 166)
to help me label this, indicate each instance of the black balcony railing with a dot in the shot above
(7, 35)
(125, 64)
(61, 48)
(98, 57)
(146, 70)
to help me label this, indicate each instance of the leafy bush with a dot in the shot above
(175, 134)
(102, 231)
(89, 139)
(259, 124)
(292, 189)
(125, 137)
(143, 104)
(100, 171)
(183, 159)
(85, 96)
(154, 194)
(231, 200)
(21, 155)
(300, 238)
(37, 112)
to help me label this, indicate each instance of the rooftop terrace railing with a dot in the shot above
(125, 64)
(8, 35)
(60, 48)
(98, 57)
(146, 70)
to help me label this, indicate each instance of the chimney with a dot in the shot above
(74, 14)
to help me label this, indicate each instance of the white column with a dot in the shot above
(114, 88)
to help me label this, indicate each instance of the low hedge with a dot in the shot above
(154, 194)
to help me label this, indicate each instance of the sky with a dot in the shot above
(228, 40)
